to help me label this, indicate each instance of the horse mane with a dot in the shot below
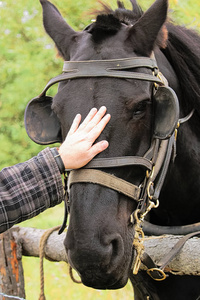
(183, 53)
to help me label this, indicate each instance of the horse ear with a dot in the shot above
(56, 27)
(149, 28)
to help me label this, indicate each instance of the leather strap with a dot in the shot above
(119, 162)
(185, 119)
(160, 157)
(107, 68)
(156, 270)
(85, 74)
(142, 289)
(164, 166)
(105, 179)
(152, 229)
(111, 64)
(167, 258)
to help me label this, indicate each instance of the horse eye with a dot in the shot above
(140, 108)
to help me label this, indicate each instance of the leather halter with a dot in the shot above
(156, 160)
(110, 68)
(156, 155)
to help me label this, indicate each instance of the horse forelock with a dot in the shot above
(121, 13)
(108, 22)
(104, 26)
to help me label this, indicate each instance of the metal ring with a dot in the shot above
(156, 204)
(137, 219)
(150, 174)
(148, 190)
(161, 272)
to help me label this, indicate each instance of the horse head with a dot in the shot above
(99, 240)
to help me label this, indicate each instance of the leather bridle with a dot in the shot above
(155, 161)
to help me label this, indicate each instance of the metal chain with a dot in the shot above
(10, 296)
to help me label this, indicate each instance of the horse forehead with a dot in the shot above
(103, 91)
(115, 93)
(108, 48)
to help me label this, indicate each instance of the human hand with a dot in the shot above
(79, 148)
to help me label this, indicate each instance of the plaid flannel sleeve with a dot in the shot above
(29, 188)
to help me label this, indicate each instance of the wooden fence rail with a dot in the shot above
(20, 241)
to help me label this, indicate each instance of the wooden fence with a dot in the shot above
(20, 241)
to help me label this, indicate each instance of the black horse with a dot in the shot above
(104, 220)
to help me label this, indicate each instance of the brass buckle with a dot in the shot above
(151, 173)
(161, 272)
(148, 190)
(137, 264)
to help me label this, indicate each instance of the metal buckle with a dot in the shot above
(151, 173)
(148, 190)
(161, 273)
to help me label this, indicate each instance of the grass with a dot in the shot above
(58, 284)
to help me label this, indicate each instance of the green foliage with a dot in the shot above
(25, 67)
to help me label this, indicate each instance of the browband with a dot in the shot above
(112, 64)
(107, 68)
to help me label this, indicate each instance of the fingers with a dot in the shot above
(89, 117)
(96, 118)
(98, 147)
(75, 124)
(97, 129)
(93, 119)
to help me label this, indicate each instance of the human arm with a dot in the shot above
(29, 188)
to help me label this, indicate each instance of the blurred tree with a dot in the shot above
(28, 60)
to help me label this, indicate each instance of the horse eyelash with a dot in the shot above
(141, 107)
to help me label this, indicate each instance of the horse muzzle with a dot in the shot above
(100, 264)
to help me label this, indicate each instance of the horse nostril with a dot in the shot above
(104, 256)
(115, 241)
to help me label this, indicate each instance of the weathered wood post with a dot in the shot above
(11, 270)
